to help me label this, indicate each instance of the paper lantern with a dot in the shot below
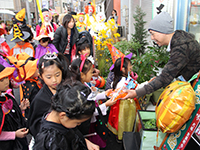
(175, 106)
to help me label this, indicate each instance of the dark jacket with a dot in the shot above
(60, 39)
(40, 105)
(184, 60)
(55, 136)
(12, 122)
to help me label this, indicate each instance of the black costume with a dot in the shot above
(30, 89)
(40, 105)
(55, 136)
(13, 121)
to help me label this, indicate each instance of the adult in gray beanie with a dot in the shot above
(162, 23)
(184, 54)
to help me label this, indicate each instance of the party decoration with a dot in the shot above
(115, 54)
(175, 106)
(90, 18)
(81, 26)
(40, 11)
(50, 26)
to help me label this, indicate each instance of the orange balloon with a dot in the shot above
(175, 106)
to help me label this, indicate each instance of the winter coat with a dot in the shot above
(60, 39)
(184, 60)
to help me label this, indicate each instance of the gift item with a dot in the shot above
(175, 106)
(117, 93)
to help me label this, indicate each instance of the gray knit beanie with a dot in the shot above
(162, 23)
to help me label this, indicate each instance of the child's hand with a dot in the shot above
(94, 89)
(108, 92)
(91, 146)
(96, 72)
(151, 79)
(24, 104)
(110, 102)
(20, 133)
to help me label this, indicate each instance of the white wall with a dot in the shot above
(125, 16)
(146, 6)
(7, 4)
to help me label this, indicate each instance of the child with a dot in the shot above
(19, 38)
(12, 131)
(122, 114)
(69, 108)
(83, 48)
(53, 68)
(32, 85)
(45, 45)
(82, 70)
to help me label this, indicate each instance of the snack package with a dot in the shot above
(116, 94)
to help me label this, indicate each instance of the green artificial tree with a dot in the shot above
(140, 32)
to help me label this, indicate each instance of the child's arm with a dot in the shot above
(7, 135)
(11, 135)
(103, 107)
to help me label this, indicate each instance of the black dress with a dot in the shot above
(13, 121)
(57, 137)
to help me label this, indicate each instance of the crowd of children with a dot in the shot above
(59, 91)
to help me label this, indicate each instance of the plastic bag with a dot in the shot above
(175, 106)
(116, 94)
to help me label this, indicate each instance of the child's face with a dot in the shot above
(130, 67)
(87, 77)
(44, 44)
(21, 43)
(52, 76)
(71, 24)
(85, 51)
(71, 123)
(4, 84)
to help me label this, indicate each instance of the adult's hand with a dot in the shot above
(131, 94)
